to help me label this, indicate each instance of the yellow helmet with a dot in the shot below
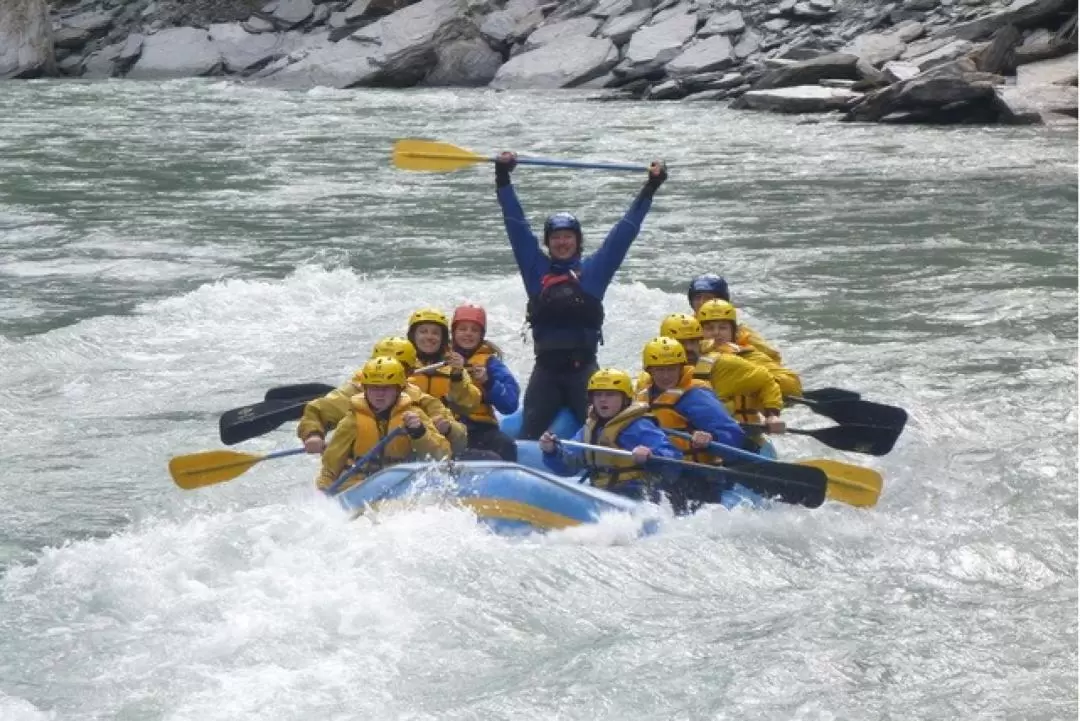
(611, 379)
(383, 371)
(399, 348)
(663, 351)
(681, 326)
(429, 315)
(716, 309)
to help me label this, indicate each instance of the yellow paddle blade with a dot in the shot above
(205, 469)
(430, 155)
(850, 484)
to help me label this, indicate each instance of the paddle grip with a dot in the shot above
(721, 449)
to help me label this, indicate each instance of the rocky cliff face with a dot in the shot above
(26, 42)
(879, 60)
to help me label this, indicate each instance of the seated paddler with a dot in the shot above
(613, 421)
(382, 407)
(711, 286)
(720, 323)
(429, 332)
(323, 414)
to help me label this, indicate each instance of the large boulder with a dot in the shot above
(709, 54)
(545, 34)
(176, 53)
(950, 93)
(515, 21)
(343, 64)
(876, 48)
(952, 50)
(723, 22)
(26, 41)
(242, 51)
(655, 45)
(466, 62)
(808, 72)
(798, 99)
(620, 29)
(406, 39)
(1059, 71)
(290, 13)
(1021, 13)
(565, 63)
(76, 31)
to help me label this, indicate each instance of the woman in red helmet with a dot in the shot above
(497, 385)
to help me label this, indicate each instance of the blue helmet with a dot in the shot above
(562, 221)
(708, 283)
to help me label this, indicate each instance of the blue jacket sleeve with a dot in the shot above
(530, 259)
(501, 389)
(644, 432)
(705, 412)
(567, 461)
(599, 268)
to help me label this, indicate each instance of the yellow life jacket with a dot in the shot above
(743, 407)
(483, 413)
(370, 430)
(612, 470)
(434, 382)
(663, 408)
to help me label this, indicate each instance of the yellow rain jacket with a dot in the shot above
(360, 430)
(322, 414)
(745, 388)
(460, 394)
(788, 380)
(663, 409)
(612, 470)
(747, 336)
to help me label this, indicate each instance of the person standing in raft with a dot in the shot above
(499, 389)
(382, 407)
(566, 294)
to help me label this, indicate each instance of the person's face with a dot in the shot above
(467, 334)
(664, 377)
(381, 397)
(562, 244)
(607, 404)
(428, 338)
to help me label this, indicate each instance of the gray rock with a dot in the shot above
(1021, 13)
(811, 11)
(727, 22)
(950, 51)
(920, 4)
(710, 54)
(953, 92)
(1041, 49)
(26, 40)
(898, 70)
(798, 99)
(1049, 104)
(619, 30)
(667, 90)
(705, 95)
(776, 24)
(342, 64)
(242, 51)
(80, 29)
(464, 63)
(337, 20)
(255, 24)
(810, 72)
(613, 8)
(876, 48)
(407, 39)
(786, 7)
(567, 62)
(130, 52)
(71, 65)
(655, 45)
(748, 44)
(909, 30)
(291, 13)
(102, 64)
(666, 13)
(176, 53)
(922, 47)
(835, 83)
(545, 34)
(1058, 71)
(321, 15)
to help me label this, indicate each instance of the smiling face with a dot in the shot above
(381, 397)
(721, 331)
(562, 244)
(467, 334)
(607, 403)
(664, 377)
(429, 338)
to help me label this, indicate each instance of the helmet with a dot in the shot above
(383, 371)
(473, 313)
(401, 349)
(428, 315)
(681, 326)
(663, 351)
(611, 379)
(716, 309)
(562, 221)
(708, 283)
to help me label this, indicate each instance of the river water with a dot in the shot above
(170, 251)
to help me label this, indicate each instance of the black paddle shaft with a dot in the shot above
(298, 392)
(787, 483)
(241, 424)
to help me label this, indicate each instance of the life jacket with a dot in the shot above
(483, 413)
(612, 470)
(434, 382)
(663, 408)
(563, 316)
(370, 430)
(744, 408)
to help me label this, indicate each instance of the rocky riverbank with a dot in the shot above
(940, 61)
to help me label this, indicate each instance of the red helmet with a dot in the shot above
(473, 313)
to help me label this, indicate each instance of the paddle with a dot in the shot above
(430, 155)
(853, 437)
(363, 461)
(857, 412)
(798, 485)
(241, 424)
(205, 469)
(848, 483)
(827, 394)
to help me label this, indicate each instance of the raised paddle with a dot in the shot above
(852, 437)
(205, 469)
(433, 156)
(798, 485)
(848, 483)
(363, 461)
(846, 411)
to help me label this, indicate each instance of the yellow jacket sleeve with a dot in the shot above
(322, 414)
(457, 435)
(735, 376)
(788, 380)
(643, 381)
(464, 395)
(749, 336)
(432, 444)
(337, 452)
